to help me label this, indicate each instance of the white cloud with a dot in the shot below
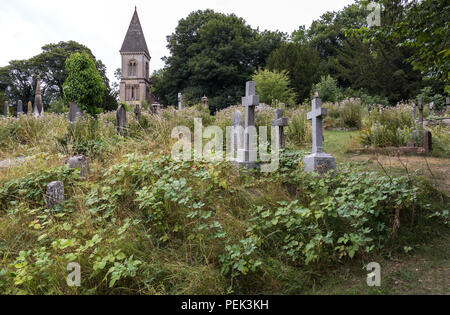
(101, 25)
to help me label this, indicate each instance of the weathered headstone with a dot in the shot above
(447, 103)
(237, 128)
(280, 122)
(38, 106)
(431, 105)
(30, 108)
(5, 109)
(380, 108)
(180, 101)
(318, 161)
(420, 107)
(247, 155)
(74, 112)
(413, 113)
(155, 107)
(19, 108)
(121, 116)
(205, 102)
(137, 112)
(80, 162)
(55, 194)
(427, 141)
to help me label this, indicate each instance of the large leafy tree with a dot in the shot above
(18, 79)
(301, 63)
(212, 54)
(83, 84)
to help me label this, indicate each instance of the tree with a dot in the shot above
(18, 79)
(302, 65)
(273, 86)
(212, 54)
(83, 85)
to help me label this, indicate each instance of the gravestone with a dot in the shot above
(237, 128)
(155, 107)
(247, 155)
(80, 162)
(205, 102)
(19, 108)
(280, 122)
(413, 113)
(420, 107)
(38, 106)
(137, 112)
(431, 105)
(74, 112)
(447, 103)
(30, 108)
(180, 101)
(380, 108)
(318, 161)
(427, 141)
(121, 116)
(55, 194)
(5, 109)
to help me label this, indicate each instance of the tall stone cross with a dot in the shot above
(316, 115)
(247, 155)
(280, 122)
(318, 161)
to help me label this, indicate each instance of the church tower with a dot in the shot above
(135, 83)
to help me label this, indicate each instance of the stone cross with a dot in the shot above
(5, 109)
(280, 122)
(137, 112)
(38, 106)
(180, 101)
(30, 108)
(74, 112)
(80, 162)
(318, 161)
(121, 116)
(316, 115)
(55, 194)
(247, 155)
(420, 107)
(237, 127)
(19, 108)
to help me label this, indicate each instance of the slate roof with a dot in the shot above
(135, 40)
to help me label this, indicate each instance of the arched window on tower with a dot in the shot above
(132, 66)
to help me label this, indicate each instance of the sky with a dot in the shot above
(101, 25)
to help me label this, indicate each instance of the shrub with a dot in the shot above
(273, 86)
(328, 89)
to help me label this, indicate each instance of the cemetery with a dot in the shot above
(90, 177)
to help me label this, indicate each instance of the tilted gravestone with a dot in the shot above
(247, 155)
(280, 122)
(318, 161)
(420, 107)
(5, 109)
(80, 162)
(121, 116)
(237, 131)
(19, 108)
(38, 105)
(55, 194)
(74, 112)
(29, 108)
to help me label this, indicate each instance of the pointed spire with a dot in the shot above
(134, 40)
